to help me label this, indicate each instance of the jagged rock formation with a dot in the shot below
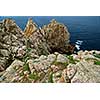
(33, 42)
(54, 36)
(30, 28)
(35, 39)
(11, 38)
(26, 56)
(57, 37)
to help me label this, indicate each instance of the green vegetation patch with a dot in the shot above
(27, 55)
(97, 55)
(26, 67)
(87, 59)
(50, 78)
(60, 63)
(97, 62)
(34, 76)
(71, 60)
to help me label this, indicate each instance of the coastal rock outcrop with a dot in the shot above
(11, 39)
(57, 37)
(34, 41)
(30, 28)
(41, 55)
(48, 39)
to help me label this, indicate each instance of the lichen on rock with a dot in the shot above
(57, 36)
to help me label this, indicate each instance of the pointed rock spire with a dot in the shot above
(30, 28)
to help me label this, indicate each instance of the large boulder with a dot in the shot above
(88, 67)
(10, 73)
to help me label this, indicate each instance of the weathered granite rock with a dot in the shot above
(21, 52)
(15, 63)
(1, 68)
(62, 59)
(30, 28)
(46, 69)
(57, 76)
(33, 46)
(38, 43)
(65, 76)
(35, 39)
(10, 72)
(57, 37)
(42, 57)
(53, 37)
(61, 77)
(5, 61)
(4, 53)
(39, 64)
(31, 65)
(87, 73)
(71, 71)
(55, 68)
(51, 58)
(11, 38)
(87, 70)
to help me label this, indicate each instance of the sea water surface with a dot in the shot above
(84, 30)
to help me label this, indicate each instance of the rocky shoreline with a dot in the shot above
(44, 55)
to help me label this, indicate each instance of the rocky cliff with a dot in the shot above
(41, 55)
(11, 39)
(15, 43)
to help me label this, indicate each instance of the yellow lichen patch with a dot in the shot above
(30, 28)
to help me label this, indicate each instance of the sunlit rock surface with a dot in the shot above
(11, 39)
(46, 69)
(30, 28)
(41, 55)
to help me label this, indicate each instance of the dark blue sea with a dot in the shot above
(84, 30)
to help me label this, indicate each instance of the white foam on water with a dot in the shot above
(78, 44)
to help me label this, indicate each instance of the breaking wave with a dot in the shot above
(78, 44)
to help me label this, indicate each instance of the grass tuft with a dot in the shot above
(97, 62)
